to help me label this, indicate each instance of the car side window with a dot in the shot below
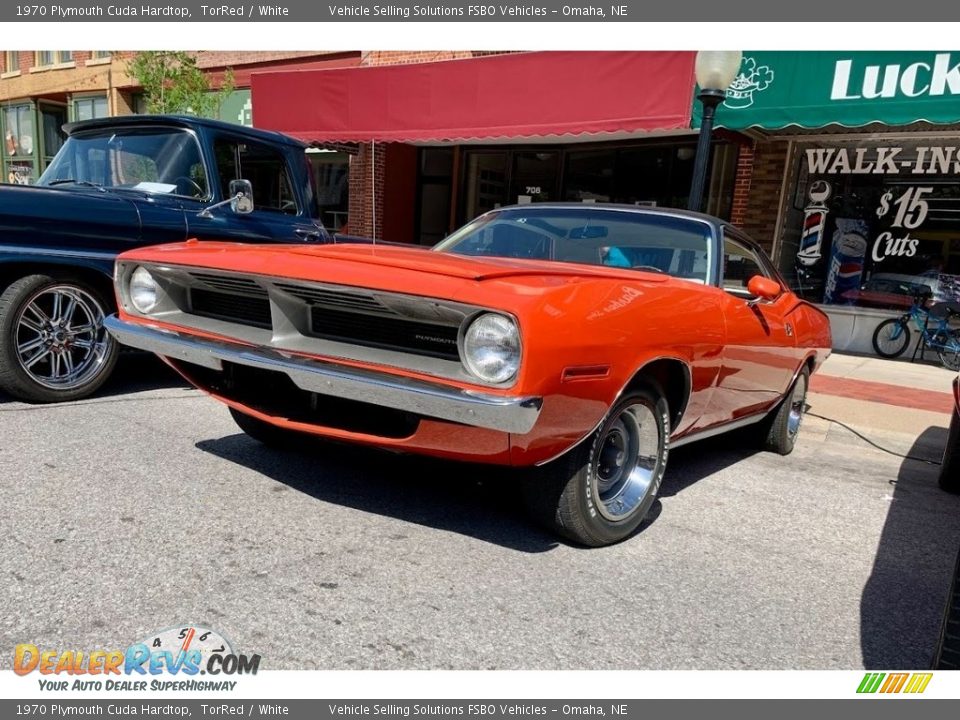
(263, 166)
(740, 263)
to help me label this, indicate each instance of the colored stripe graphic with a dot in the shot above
(918, 683)
(894, 683)
(913, 683)
(870, 682)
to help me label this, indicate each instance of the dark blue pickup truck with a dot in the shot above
(119, 183)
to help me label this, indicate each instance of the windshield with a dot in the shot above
(155, 160)
(676, 246)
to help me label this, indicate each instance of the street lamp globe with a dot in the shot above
(715, 70)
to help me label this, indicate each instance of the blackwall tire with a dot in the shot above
(600, 491)
(53, 346)
(783, 427)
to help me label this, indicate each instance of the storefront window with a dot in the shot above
(19, 136)
(869, 223)
(331, 175)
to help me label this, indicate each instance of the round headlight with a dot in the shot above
(491, 348)
(143, 290)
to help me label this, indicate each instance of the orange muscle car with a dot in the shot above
(579, 341)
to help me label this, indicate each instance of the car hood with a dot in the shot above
(316, 262)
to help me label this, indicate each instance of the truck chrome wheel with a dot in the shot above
(625, 461)
(60, 338)
(53, 346)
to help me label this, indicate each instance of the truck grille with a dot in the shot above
(243, 309)
(386, 332)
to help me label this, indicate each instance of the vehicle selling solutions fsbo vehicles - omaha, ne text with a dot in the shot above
(119, 183)
(577, 341)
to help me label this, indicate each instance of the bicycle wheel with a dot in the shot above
(947, 345)
(891, 338)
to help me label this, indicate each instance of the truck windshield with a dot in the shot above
(154, 160)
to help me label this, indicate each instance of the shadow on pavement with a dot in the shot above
(691, 463)
(902, 603)
(138, 372)
(478, 501)
(482, 502)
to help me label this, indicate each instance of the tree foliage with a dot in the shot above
(173, 83)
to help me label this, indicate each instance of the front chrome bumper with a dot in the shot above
(495, 412)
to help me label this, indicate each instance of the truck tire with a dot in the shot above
(53, 346)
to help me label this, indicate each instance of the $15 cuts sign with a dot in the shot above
(906, 206)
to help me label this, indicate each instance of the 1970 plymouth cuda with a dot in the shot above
(578, 341)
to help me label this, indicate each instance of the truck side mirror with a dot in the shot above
(241, 196)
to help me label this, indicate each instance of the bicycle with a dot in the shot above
(892, 336)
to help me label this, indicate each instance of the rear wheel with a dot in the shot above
(784, 425)
(891, 338)
(601, 490)
(53, 346)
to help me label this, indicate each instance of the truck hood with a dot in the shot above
(29, 213)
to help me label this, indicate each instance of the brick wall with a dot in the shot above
(367, 170)
(741, 184)
(758, 216)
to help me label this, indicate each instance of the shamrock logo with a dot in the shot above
(751, 78)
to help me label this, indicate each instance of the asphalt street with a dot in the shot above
(146, 508)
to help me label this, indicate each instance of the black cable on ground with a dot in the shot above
(871, 442)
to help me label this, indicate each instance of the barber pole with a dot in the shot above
(814, 221)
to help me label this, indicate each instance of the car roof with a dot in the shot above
(617, 207)
(184, 121)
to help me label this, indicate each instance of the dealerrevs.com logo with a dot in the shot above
(184, 652)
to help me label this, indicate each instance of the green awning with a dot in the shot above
(776, 90)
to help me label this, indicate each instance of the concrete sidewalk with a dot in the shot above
(900, 405)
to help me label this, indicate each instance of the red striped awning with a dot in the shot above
(511, 96)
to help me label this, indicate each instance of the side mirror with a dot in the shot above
(241, 196)
(764, 288)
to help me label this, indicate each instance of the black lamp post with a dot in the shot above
(715, 70)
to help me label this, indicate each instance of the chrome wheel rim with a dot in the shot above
(60, 339)
(798, 406)
(626, 462)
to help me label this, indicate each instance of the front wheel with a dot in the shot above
(601, 490)
(53, 346)
(891, 338)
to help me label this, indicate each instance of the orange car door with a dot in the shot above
(759, 356)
